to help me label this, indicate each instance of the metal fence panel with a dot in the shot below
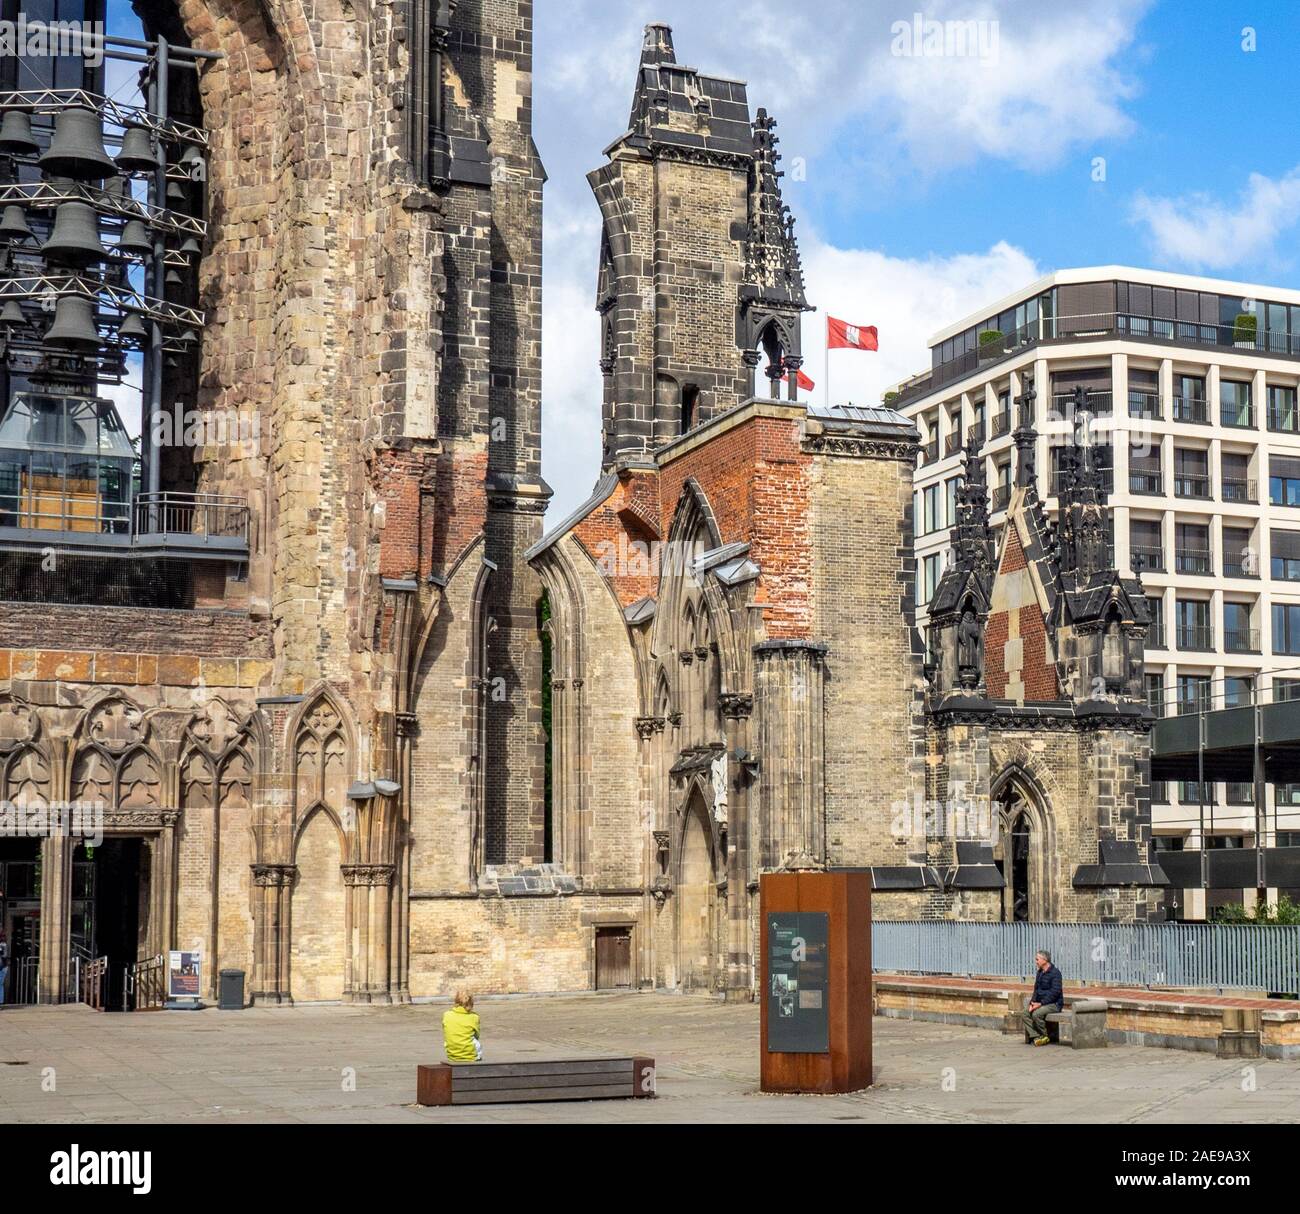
(1140, 954)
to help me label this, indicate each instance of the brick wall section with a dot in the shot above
(29, 626)
(757, 483)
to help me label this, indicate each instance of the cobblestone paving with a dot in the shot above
(297, 1065)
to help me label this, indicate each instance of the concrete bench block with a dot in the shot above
(1082, 1026)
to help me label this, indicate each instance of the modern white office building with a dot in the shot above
(1191, 388)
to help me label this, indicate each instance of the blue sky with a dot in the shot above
(932, 184)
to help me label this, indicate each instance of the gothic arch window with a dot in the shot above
(321, 764)
(93, 776)
(1114, 652)
(197, 783)
(1027, 843)
(27, 778)
(237, 779)
(139, 782)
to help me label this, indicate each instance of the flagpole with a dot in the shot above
(830, 404)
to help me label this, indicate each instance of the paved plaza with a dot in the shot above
(352, 1064)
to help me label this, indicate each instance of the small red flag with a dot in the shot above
(840, 335)
(805, 384)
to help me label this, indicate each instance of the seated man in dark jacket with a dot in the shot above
(1048, 997)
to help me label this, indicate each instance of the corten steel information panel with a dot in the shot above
(798, 1013)
(816, 941)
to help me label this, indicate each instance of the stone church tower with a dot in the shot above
(1037, 709)
(307, 688)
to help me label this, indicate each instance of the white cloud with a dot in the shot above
(1200, 231)
(907, 300)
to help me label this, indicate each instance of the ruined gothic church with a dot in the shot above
(409, 738)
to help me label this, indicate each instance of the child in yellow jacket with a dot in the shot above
(460, 1030)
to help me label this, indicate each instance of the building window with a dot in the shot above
(1281, 409)
(1285, 690)
(1239, 558)
(1192, 793)
(1156, 637)
(1192, 548)
(1237, 485)
(1146, 546)
(1286, 555)
(950, 502)
(1238, 636)
(1193, 693)
(1235, 404)
(931, 510)
(1284, 480)
(1189, 399)
(1169, 842)
(1238, 691)
(931, 572)
(1286, 628)
(1155, 687)
(1192, 474)
(1225, 842)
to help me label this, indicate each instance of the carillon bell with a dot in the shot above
(14, 224)
(176, 192)
(77, 149)
(75, 238)
(135, 239)
(74, 326)
(133, 328)
(16, 134)
(137, 154)
(12, 313)
(191, 246)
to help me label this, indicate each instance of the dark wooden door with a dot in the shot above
(613, 959)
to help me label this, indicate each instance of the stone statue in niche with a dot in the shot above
(970, 646)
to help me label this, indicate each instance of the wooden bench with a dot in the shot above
(535, 1082)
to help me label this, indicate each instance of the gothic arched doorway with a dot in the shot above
(696, 897)
(1024, 851)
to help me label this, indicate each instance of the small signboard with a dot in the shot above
(798, 994)
(183, 971)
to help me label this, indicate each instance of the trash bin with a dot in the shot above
(232, 991)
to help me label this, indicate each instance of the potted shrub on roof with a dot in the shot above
(991, 343)
(1244, 330)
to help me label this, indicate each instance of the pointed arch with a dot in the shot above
(695, 881)
(1027, 842)
(27, 777)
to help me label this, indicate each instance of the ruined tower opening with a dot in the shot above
(690, 408)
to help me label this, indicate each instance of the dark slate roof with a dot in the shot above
(1122, 864)
(667, 90)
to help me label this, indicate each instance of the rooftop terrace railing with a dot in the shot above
(1097, 325)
